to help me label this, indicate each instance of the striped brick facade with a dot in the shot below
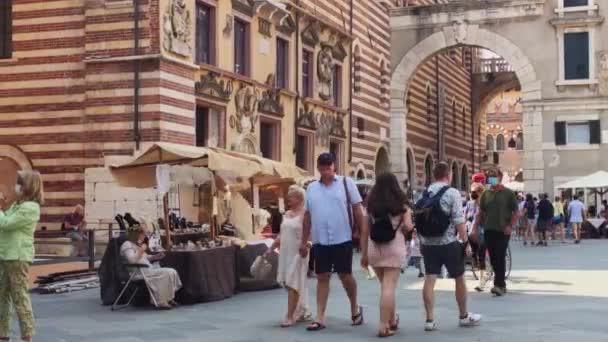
(67, 92)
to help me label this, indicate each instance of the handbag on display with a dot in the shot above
(261, 268)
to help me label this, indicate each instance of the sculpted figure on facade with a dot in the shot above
(177, 28)
(325, 66)
(324, 126)
(603, 72)
(246, 116)
(459, 29)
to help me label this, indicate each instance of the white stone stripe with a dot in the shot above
(46, 210)
(42, 68)
(364, 152)
(93, 12)
(123, 92)
(41, 99)
(120, 76)
(47, 53)
(66, 161)
(171, 126)
(63, 194)
(98, 126)
(76, 146)
(165, 108)
(122, 25)
(41, 115)
(71, 33)
(48, 20)
(188, 82)
(44, 5)
(113, 45)
(119, 109)
(50, 83)
(62, 177)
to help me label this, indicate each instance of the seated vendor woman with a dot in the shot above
(163, 282)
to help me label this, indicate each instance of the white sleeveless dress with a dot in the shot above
(293, 269)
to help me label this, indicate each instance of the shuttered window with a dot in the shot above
(585, 132)
(595, 132)
(6, 24)
(560, 133)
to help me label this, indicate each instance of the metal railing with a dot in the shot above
(491, 65)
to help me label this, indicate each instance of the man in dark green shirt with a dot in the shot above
(497, 214)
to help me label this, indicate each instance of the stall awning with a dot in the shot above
(597, 180)
(141, 171)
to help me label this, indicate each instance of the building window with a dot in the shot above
(578, 132)
(241, 47)
(208, 127)
(282, 63)
(575, 3)
(464, 179)
(464, 122)
(337, 85)
(307, 73)
(428, 171)
(270, 139)
(519, 141)
(500, 142)
(453, 116)
(576, 55)
(357, 70)
(489, 142)
(6, 25)
(204, 34)
(335, 148)
(455, 176)
(360, 127)
(304, 151)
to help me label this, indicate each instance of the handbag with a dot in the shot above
(261, 268)
(349, 209)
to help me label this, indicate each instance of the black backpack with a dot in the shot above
(382, 230)
(430, 220)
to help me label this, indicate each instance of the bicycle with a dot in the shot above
(489, 270)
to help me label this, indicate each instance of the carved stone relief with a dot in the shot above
(177, 28)
(209, 85)
(246, 116)
(271, 98)
(460, 31)
(306, 118)
(325, 67)
(324, 126)
(310, 35)
(246, 143)
(602, 59)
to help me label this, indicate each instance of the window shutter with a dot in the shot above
(560, 133)
(595, 134)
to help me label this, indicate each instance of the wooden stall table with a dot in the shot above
(207, 275)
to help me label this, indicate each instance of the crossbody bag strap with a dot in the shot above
(349, 206)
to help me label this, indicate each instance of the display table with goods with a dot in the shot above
(207, 274)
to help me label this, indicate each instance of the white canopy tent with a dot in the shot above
(597, 180)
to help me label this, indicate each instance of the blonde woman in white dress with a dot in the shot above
(293, 268)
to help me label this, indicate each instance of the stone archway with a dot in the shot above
(466, 34)
(11, 160)
(382, 163)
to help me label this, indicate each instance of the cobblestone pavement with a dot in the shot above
(556, 294)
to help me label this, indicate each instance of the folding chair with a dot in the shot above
(127, 279)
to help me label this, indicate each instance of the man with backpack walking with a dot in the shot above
(440, 223)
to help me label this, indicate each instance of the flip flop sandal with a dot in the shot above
(358, 318)
(287, 324)
(395, 327)
(386, 333)
(315, 326)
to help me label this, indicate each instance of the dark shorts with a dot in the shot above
(542, 225)
(334, 258)
(451, 256)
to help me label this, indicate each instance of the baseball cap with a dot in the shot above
(326, 159)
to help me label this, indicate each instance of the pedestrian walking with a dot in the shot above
(522, 221)
(530, 219)
(545, 219)
(333, 215)
(383, 246)
(477, 241)
(577, 212)
(497, 214)
(440, 225)
(17, 226)
(293, 268)
(558, 220)
(413, 255)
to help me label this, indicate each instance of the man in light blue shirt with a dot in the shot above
(332, 203)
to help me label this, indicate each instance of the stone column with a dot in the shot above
(398, 138)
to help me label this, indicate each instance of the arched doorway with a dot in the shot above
(489, 143)
(411, 169)
(464, 33)
(428, 171)
(464, 178)
(455, 178)
(360, 175)
(382, 164)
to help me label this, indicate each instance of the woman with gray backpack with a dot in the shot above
(383, 246)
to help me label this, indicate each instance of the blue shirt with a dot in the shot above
(327, 206)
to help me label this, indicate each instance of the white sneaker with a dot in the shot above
(430, 326)
(471, 320)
